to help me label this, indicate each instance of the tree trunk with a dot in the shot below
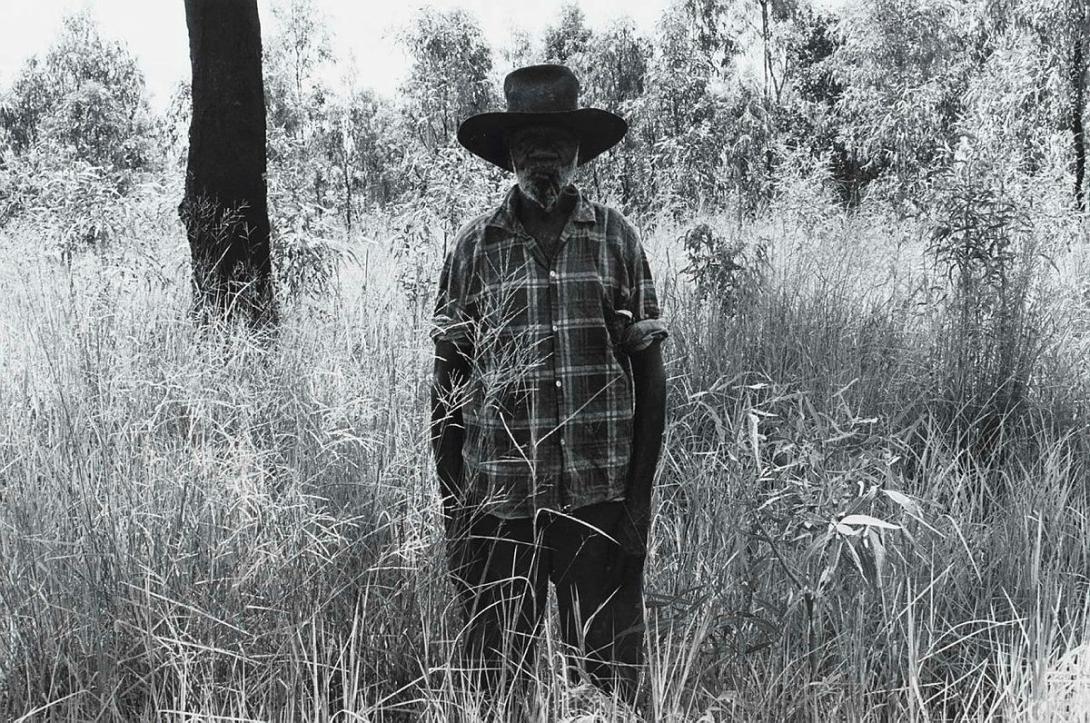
(346, 178)
(1078, 107)
(225, 209)
(765, 39)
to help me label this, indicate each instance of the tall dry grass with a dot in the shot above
(202, 525)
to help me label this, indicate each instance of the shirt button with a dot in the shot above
(557, 383)
(555, 329)
(552, 275)
(561, 441)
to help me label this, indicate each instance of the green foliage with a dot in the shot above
(614, 66)
(678, 119)
(706, 21)
(356, 139)
(974, 239)
(296, 104)
(91, 122)
(73, 205)
(174, 128)
(70, 203)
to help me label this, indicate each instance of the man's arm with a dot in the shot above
(649, 386)
(447, 430)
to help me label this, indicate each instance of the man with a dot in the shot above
(549, 395)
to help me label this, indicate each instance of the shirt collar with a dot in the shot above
(504, 216)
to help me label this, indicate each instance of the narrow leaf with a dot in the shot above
(907, 503)
(867, 521)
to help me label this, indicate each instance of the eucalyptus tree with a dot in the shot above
(86, 95)
(225, 208)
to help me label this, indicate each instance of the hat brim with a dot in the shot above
(485, 134)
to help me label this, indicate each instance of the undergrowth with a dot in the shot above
(200, 524)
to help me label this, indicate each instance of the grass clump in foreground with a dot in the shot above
(197, 524)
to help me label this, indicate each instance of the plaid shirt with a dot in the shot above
(548, 406)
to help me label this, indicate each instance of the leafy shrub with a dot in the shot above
(304, 228)
(904, 82)
(726, 273)
(811, 495)
(70, 203)
(75, 134)
(829, 484)
(306, 255)
(86, 95)
(981, 241)
(414, 231)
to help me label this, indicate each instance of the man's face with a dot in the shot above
(544, 159)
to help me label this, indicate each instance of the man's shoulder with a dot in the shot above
(475, 226)
(471, 232)
(613, 224)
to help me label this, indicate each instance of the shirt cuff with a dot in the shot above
(642, 334)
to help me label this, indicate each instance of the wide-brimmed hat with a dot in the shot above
(541, 95)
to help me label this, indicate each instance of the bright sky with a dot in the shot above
(364, 29)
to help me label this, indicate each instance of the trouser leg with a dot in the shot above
(599, 590)
(502, 588)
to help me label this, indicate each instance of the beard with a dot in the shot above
(544, 184)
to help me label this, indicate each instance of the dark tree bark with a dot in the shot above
(1078, 108)
(225, 209)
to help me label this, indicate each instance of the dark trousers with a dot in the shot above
(501, 570)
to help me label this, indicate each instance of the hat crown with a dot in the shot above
(541, 95)
(541, 89)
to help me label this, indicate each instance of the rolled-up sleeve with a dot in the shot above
(644, 325)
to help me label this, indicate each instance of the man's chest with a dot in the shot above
(520, 281)
(548, 334)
